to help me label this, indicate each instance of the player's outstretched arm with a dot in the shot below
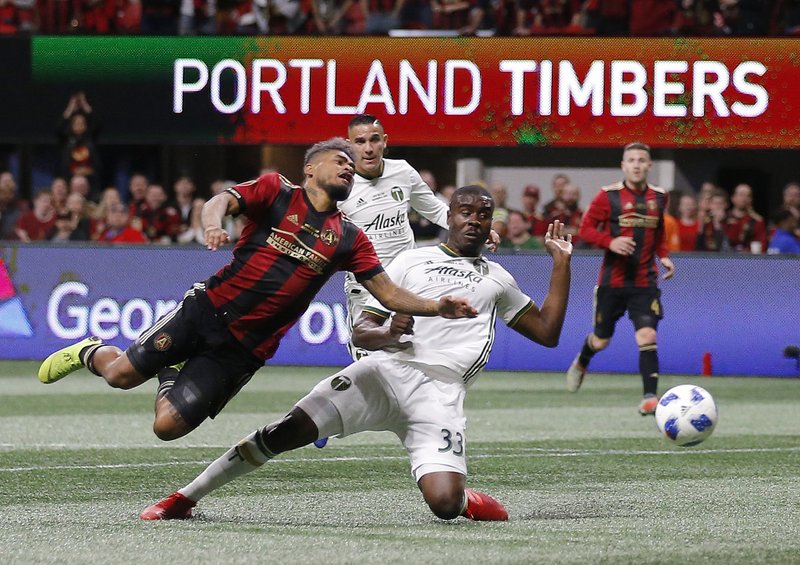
(544, 325)
(398, 299)
(214, 211)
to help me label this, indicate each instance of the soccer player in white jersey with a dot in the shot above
(382, 193)
(415, 382)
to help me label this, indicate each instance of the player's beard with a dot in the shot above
(338, 192)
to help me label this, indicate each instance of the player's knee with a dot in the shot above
(119, 373)
(122, 379)
(645, 336)
(444, 493)
(168, 423)
(446, 506)
(600, 343)
(167, 428)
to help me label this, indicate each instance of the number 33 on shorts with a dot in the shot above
(452, 442)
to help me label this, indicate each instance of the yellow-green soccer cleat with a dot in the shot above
(64, 361)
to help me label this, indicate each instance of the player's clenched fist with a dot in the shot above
(216, 238)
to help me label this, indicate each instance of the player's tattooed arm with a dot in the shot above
(398, 299)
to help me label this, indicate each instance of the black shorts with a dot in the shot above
(643, 306)
(217, 365)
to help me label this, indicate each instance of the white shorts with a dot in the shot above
(380, 394)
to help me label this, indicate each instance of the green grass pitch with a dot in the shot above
(584, 477)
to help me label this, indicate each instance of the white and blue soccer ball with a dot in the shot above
(686, 415)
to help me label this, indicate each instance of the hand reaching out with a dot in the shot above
(556, 242)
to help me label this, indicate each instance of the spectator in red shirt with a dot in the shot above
(608, 17)
(530, 204)
(15, 17)
(59, 190)
(714, 216)
(747, 231)
(118, 228)
(77, 131)
(38, 223)
(688, 225)
(652, 17)
(160, 221)
(137, 188)
(569, 213)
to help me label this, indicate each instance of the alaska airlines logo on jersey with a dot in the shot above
(397, 193)
(468, 280)
(382, 222)
(634, 220)
(279, 240)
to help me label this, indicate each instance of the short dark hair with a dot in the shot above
(364, 119)
(332, 144)
(471, 189)
(636, 145)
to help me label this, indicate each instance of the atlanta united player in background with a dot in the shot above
(627, 220)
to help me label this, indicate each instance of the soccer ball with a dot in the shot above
(686, 415)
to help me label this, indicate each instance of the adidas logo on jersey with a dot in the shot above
(293, 218)
(360, 202)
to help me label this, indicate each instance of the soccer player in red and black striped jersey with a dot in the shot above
(627, 220)
(226, 327)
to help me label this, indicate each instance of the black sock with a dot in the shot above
(648, 366)
(587, 352)
(87, 354)
(166, 380)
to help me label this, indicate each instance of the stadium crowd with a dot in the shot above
(711, 220)
(378, 17)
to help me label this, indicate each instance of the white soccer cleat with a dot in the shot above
(575, 375)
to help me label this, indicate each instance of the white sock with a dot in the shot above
(247, 456)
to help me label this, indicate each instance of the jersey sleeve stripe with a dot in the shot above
(520, 314)
(378, 312)
(366, 275)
